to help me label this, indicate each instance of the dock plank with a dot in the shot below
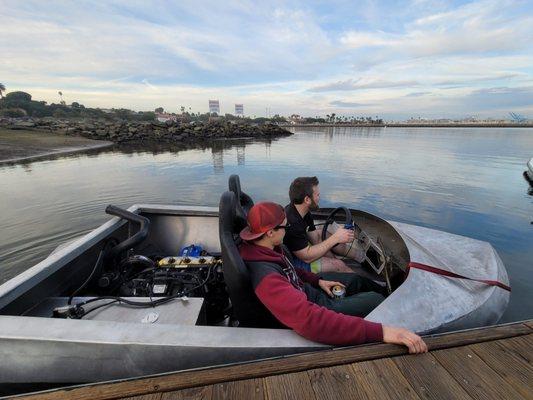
(153, 396)
(250, 389)
(197, 393)
(529, 338)
(521, 347)
(381, 379)
(512, 368)
(477, 378)
(289, 386)
(429, 378)
(472, 336)
(336, 383)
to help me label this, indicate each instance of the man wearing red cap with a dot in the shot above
(301, 300)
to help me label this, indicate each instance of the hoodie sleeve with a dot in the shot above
(291, 307)
(306, 276)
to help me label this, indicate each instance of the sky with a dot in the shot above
(392, 59)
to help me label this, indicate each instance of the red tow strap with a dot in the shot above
(443, 272)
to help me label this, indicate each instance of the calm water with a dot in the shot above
(464, 181)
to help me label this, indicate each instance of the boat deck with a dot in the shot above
(493, 362)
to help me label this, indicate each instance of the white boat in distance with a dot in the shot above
(122, 302)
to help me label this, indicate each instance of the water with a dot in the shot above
(465, 181)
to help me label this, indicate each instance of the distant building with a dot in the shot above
(295, 119)
(164, 117)
(214, 107)
(239, 109)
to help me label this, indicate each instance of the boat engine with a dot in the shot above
(171, 276)
(118, 275)
(178, 276)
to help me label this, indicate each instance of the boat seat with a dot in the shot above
(244, 202)
(247, 309)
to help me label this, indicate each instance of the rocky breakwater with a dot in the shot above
(149, 132)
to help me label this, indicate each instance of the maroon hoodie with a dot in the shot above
(278, 285)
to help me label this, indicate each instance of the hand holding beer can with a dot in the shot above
(338, 291)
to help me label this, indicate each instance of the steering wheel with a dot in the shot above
(374, 250)
(348, 223)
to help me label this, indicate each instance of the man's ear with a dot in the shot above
(307, 200)
(269, 233)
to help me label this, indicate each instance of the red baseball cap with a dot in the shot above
(261, 218)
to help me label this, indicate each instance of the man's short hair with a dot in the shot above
(301, 187)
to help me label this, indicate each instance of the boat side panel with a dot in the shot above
(169, 233)
(57, 350)
(70, 362)
(62, 272)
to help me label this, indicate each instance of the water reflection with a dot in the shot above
(464, 181)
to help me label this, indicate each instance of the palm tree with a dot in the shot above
(2, 89)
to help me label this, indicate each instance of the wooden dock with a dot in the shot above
(485, 363)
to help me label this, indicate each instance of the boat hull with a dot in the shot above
(40, 349)
(430, 303)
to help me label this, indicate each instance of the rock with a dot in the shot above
(171, 132)
(25, 124)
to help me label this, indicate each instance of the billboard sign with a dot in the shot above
(239, 109)
(214, 106)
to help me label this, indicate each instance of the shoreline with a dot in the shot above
(53, 154)
(28, 139)
(22, 146)
(402, 125)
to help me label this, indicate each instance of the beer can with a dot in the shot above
(338, 291)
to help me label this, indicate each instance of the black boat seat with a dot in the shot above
(247, 309)
(244, 202)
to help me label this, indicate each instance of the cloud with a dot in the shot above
(417, 94)
(292, 57)
(347, 104)
(500, 98)
(475, 28)
(350, 84)
(182, 43)
(474, 78)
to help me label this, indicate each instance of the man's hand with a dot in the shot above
(327, 285)
(343, 235)
(405, 337)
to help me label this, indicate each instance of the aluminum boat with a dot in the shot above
(161, 288)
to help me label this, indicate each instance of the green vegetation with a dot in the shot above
(20, 104)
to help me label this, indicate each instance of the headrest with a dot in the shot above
(234, 185)
(226, 211)
(243, 202)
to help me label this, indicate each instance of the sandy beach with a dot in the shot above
(19, 145)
